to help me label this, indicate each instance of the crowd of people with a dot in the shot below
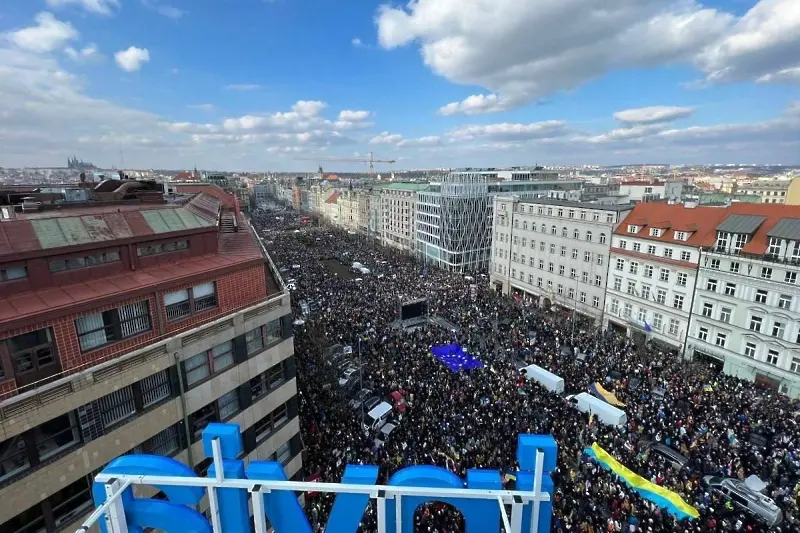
(471, 419)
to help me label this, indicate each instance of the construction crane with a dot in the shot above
(371, 161)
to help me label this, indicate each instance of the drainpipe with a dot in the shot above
(691, 305)
(186, 430)
(510, 245)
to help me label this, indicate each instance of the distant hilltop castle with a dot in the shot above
(74, 164)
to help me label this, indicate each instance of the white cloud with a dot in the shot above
(132, 59)
(507, 131)
(48, 35)
(355, 41)
(353, 116)
(386, 138)
(521, 51)
(102, 7)
(242, 87)
(88, 53)
(477, 104)
(763, 45)
(653, 114)
(202, 107)
(164, 9)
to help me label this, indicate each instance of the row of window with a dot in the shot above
(502, 269)
(762, 296)
(681, 278)
(646, 292)
(660, 232)
(752, 350)
(146, 250)
(13, 273)
(561, 212)
(765, 272)
(89, 259)
(668, 253)
(560, 289)
(656, 321)
(517, 258)
(576, 234)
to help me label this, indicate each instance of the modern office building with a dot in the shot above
(126, 327)
(454, 216)
(554, 251)
(654, 256)
(746, 313)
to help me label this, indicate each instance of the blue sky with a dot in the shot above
(257, 84)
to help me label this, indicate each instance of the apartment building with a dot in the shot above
(399, 207)
(555, 252)
(126, 327)
(770, 190)
(654, 256)
(746, 313)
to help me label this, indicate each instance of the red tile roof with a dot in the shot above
(333, 198)
(226, 198)
(702, 221)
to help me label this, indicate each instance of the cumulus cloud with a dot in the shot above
(47, 35)
(386, 138)
(653, 114)
(353, 116)
(521, 51)
(164, 9)
(102, 7)
(508, 131)
(86, 54)
(132, 59)
(355, 41)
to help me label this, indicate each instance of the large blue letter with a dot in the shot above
(285, 513)
(527, 446)
(170, 516)
(233, 512)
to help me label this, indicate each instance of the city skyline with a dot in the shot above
(437, 83)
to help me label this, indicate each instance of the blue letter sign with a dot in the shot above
(284, 511)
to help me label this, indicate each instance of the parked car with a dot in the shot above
(371, 402)
(671, 455)
(398, 401)
(746, 499)
(347, 377)
(359, 399)
(384, 432)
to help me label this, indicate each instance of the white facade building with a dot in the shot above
(746, 315)
(399, 211)
(554, 251)
(654, 256)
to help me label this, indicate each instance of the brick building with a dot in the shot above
(126, 327)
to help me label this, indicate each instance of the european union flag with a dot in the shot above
(647, 327)
(455, 358)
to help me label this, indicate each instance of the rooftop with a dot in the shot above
(576, 205)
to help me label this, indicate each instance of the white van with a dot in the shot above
(377, 416)
(605, 413)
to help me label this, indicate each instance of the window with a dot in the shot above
(595, 300)
(164, 443)
(541, 264)
(708, 309)
(714, 264)
(552, 248)
(587, 256)
(674, 326)
(56, 435)
(778, 329)
(598, 280)
(642, 314)
(200, 366)
(271, 423)
(576, 234)
(668, 253)
(761, 296)
(541, 246)
(628, 311)
(585, 277)
(583, 215)
(563, 251)
(655, 232)
(725, 314)
(71, 502)
(739, 242)
(637, 247)
(560, 289)
(10, 273)
(790, 277)
(785, 301)
(722, 241)
(145, 250)
(702, 334)
(589, 236)
(550, 267)
(721, 339)
(228, 404)
(595, 216)
(795, 366)
(631, 287)
(615, 306)
(686, 256)
(634, 267)
(284, 453)
(772, 357)
(83, 261)
(677, 302)
(711, 285)
(201, 418)
(730, 289)
(664, 274)
(549, 285)
(681, 281)
(602, 238)
(755, 323)
(648, 271)
(766, 273)
(571, 294)
(750, 350)
(564, 232)
(658, 320)
(735, 265)
(571, 213)
(651, 249)
(681, 236)
(774, 246)
(574, 253)
(600, 259)
(646, 292)
(573, 273)
(560, 270)
(553, 230)
(623, 244)
(33, 356)
(538, 282)
(112, 326)
(610, 218)
(617, 284)
(661, 296)
(632, 228)
(179, 304)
